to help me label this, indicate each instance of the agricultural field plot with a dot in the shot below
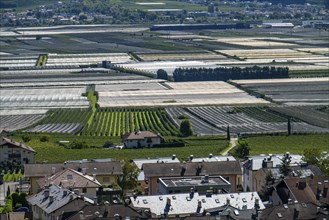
(310, 114)
(62, 121)
(105, 122)
(271, 54)
(43, 98)
(117, 122)
(181, 56)
(36, 74)
(241, 120)
(304, 91)
(254, 42)
(18, 61)
(68, 128)
(147, 85)
(70, 29)
(199, 126)
(87, 59)
(16, 122)
(75, 81)
(181, 94)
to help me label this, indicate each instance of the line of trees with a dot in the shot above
(224, 73)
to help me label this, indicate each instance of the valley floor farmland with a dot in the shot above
(303, 91)
(179, 94)
(245, 120)
(106, 122)
(52, 152)
(281, 144)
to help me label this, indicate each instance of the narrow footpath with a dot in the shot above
(233, 144)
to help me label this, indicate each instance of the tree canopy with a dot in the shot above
(285, 164)
(186, 128)
(316, 157)
(224, 73)
(241, 150)
(162, 74)
(130, 174)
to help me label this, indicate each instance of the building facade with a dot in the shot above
(12, 151)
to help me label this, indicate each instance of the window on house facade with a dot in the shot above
(106, 179)
(227, 178)
(84, 190)
(69, 177)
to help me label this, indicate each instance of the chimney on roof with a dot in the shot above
(302, 183)
(46, 193)
(51, 199)
(71, 196)
(192, 193)
(267, 163)
(107, 209)
(191, 157)
(64, 193)
(199, 168)
(81, 215)
(257, 203)
(84, 171)
(168, 202)
(325, 188)
(296, 210)
(318, 191)
(53, 170)
(183, 168)
(228, 201)
(206, 178)
(173, 157)
(94, 174)
(199, 204)
(210, 155)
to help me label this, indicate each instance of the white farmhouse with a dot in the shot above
(141, 139)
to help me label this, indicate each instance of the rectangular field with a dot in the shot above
(240, 120)
(179, 94)
(43, 98)
(304, 91)
(87, 59)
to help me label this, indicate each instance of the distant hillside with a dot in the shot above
(25, 4)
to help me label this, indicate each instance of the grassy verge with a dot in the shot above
(282, 144)
(52, 152)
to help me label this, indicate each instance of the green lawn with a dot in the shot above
(52, 152)
(282, 144)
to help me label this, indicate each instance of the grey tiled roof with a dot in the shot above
(60, 199)
(103, 168)
(17, 144)
(192, 169)
(78, 180)
(140, 135)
